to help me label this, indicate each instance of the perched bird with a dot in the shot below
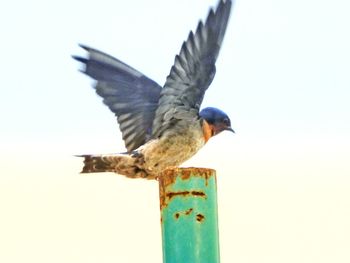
(161, 127)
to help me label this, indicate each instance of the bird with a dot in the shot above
(162, 127)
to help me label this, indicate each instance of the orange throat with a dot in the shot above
(208, 130)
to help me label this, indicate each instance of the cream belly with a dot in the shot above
(172, 149)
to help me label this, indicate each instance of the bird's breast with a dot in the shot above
(174, 147)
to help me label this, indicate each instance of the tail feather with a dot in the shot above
(123, 164)
(96, 164)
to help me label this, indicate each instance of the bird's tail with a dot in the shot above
(124, 164)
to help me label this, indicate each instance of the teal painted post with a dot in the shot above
(189, 216)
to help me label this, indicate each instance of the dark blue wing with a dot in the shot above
(128, 93)
(192, 72)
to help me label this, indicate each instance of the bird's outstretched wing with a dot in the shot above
(192, 72)
(128, 93)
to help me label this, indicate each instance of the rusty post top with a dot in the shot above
(169, 175)
(168, 178)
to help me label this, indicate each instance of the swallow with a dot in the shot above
(161, 126)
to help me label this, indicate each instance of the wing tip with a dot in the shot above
(85, 47)
(80, 59)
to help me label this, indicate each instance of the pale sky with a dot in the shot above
(283, 76)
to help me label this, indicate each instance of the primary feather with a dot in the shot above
(132, 96)
(192, 72)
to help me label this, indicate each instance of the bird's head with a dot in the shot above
(214, 122)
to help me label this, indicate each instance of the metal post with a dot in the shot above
(189, 216)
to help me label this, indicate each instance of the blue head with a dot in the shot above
(217, 120)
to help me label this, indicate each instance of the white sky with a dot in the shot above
(284, 178)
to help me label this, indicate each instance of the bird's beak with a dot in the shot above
(229, 129)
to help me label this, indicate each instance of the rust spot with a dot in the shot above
(168, 178)
(185, 173)
(172, 194)
(189, 211)
(198, 193)
(186, 213)
(186, 193)
(200, 217)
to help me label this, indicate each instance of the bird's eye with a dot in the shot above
(226, 121)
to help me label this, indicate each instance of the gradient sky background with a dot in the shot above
(283, 76)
